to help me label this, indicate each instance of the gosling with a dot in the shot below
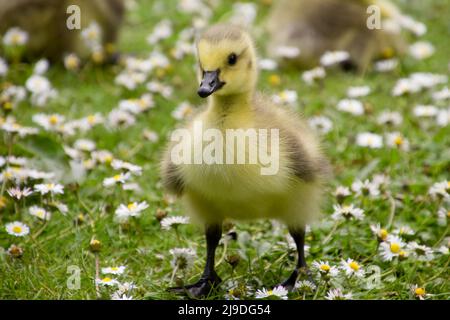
(214, 192)
(317, 26)
(45, 22)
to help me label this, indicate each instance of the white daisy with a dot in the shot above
(425, 111)
(440, 189)
(380, 233)
(397, 140)
(15, 37)
(356, 92)
(114, 270)
(324, 269)
(391, 248)
(41, 67)
(305, 286)
(133, 209)
(368, 139)
(321, 124)
(17, 229)
(286, 97)
(386, 65)
(118, 296)
(311, 76)
(107, 281)
(443, 94)
(52, 122)
(390, 118)
(421, 50)
(119, 164)
(330, 58)
(287, 52)
(17, 193)
(162, 30)
(365, 188)
(352, 268)
(3, 67)
(38, 84)
(183, 258)
(92, 35)
(341, 193)
(174, 221)
(337, 294)
(403, 231)
(244, 14)
(347, 212)
(53, 188)
(183, 110)
(352, 106)
(421, 252)
(120, 119)
(279, 292)
(118, 178)
(405, 86)
(72, 62)
(443, 216)
(84, 145)
(268, 64)
(39, 212)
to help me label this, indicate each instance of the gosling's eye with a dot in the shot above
(232, 59)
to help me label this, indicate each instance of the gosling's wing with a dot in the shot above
(297, 141)
(172, 180)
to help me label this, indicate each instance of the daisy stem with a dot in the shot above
(225, 245)
(10, 144)
(40, 230)
(333, 230)
(319, 286)
(392, 212)
(173, 273)
(177, 233)
(444, 234)
(97, 272)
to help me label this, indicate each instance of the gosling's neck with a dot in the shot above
(239, 102)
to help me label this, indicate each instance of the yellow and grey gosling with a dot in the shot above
(317, 26)
(45, 22)
(214, 192)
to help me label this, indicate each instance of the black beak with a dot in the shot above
(210, 83)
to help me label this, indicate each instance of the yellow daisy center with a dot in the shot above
(269, 292)
(17, 229)
(117, 177)
(8, 105)
(114, 268)
(419, 291)
(53, 119)
(132, 205)
(274, 80)
(91, 119)
(398, 141)
(354, 265)
(395, 247)
(325, 267)
(383, 234)
(15, 39)
(107, 279)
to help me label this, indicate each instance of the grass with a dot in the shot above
(265, 257)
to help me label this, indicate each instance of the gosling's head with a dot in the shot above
(227, 61)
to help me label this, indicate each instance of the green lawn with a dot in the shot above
(143, 247)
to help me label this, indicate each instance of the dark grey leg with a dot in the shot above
(298, 234)
(209, 278)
